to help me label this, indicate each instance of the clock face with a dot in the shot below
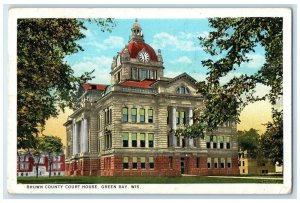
(143, 56)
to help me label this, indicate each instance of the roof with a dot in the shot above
(183, 75)
(89, 86)
(135, 47)
(142, 84)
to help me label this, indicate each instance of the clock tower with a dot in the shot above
(137, 61)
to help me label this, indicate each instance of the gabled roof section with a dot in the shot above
(183, 75)
(89, 86)
(141, 84)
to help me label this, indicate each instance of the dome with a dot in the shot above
(135, 47)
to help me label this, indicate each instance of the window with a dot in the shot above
(152, 74)
(151, 139)
(182, 117)
(125, 114)
(125, 162)
(228, 162)
(21, 166)
(170, 162)
(133, 115)
(142, 140)
(133, 140)
(207, 138)
(216, 162)
(125, 139)
(143, 74)
(150, 115)
(183, 142)
(215, 142)
(134, 73)
(208, 162)
(167, 117)
(243, 163)
(197, 162)
(221, 140)
(151, 162)
(143, 162)
(110, 116)
(177, 117)
(183, 90)
(142, 115)
(99, 122)
(222, 162)
(228, 141)
(134, 162)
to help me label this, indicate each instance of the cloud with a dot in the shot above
(101, 65)
(183, 59)
(111, 42)
(183, 41)
(229, 76)
(256, 62)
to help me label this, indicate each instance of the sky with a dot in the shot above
(181, 51)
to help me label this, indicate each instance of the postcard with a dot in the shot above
(149, 101)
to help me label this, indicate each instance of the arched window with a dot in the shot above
(183, 90)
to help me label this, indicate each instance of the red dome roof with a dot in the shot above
(135, 47)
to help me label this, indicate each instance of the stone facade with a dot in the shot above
(127, 128)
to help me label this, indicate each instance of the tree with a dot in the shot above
(272, 139)
(51, 145)
(249, 141)
(45, 82)
(229, 43)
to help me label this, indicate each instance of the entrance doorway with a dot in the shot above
(182, 165)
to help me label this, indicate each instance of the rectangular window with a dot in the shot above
(215, 142)
(133, 140)
(151, 162)
(110, 116)
(152, 74)
(243, 163)
(125, 114)
(134, 73)
(125, 162)
(133, 115)
(221, 140)
(143, 162)
(125, 139)
(142, 140)
(177, 117)
(143, 74)
(197, 162)
(182, 117)
(151, 139)
(208, 162)
(207, 139)
(222, 162)
(216, 162)
(170, 162)
(150, 115)
(134, 162)
(228, 142)
(167, 117)
(142, 115)
(228, 162)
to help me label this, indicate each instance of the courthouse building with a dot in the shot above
(127, 128)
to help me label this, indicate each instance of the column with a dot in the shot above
(86, 137)
(190, 140)
(74, 138)
(174, 138)
(81, 136)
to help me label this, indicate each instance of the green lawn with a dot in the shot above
(144, 180)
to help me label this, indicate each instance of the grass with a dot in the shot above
(145, 180)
